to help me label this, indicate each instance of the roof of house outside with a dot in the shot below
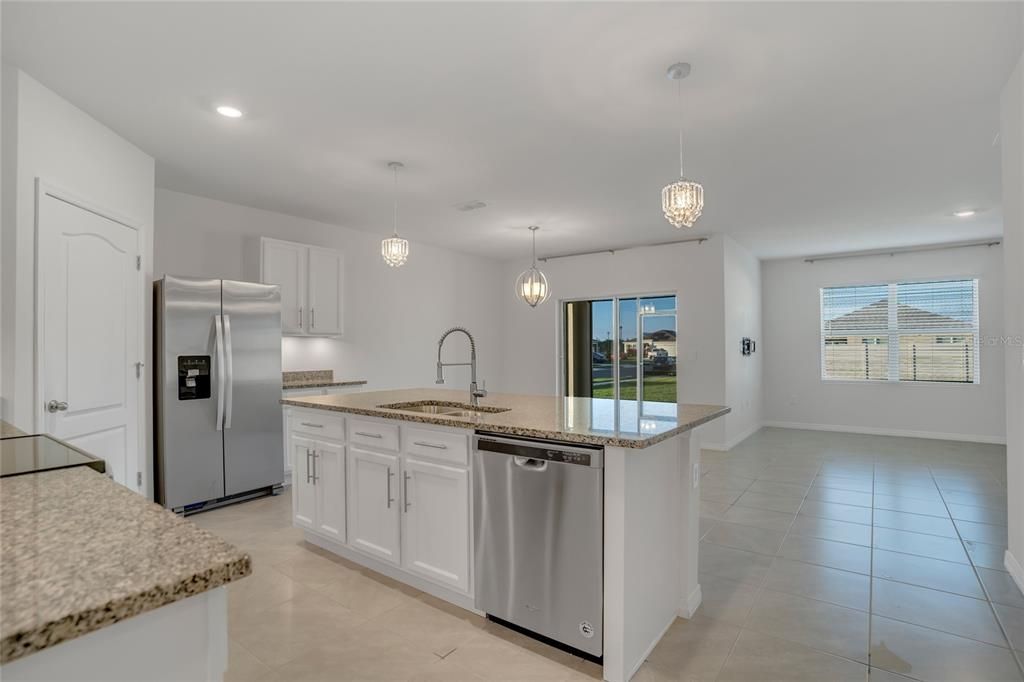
(875, 316)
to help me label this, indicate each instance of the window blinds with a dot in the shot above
(906, 331)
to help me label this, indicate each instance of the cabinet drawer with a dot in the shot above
(375, 434)
(441, 446)
(319, 424)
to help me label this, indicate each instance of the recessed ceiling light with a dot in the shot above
(230, 112)
(965, 214)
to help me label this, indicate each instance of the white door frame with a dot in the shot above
(43, 189)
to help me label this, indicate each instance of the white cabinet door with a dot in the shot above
(284, 264)
(303, 490)
(373, 506)
(326, 285)
(435, 537)
(329, 481)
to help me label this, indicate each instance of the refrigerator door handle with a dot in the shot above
(218, 327)
(229, 370)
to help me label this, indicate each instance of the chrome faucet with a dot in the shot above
(475, 392)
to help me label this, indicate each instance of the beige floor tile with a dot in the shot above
(496, 659)
(261, 590)
(745, 537)
(779, 488)
(366, 654)
(761, 657)
(443, 670)
(943, 611)
(914, 492)
(839, 555)
(947, 576)
(726, 601)
(880, 675)
(428, 627)
(365, 595)
(915, 523)
(693, 649)
(831, 529)
(974, 499)
(862, 484)
(713, 510)
(760, 518)
(836, 496)
(909, 505)
(927, 654)
(244, 667)
(1013, 622)
(839, 512)
(819, 625)
(1000, 587)
(312, 569)
(844, 588)
(726, 481)
(733, 564)
(982, 532)
(289, 630)
(932, 546)
(964, 512)
(986, 556)
(769, 502)
(720, 495)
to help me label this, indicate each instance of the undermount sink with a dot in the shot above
(445, 409)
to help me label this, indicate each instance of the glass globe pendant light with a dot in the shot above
(683, 200)
(394, 249)
(532, 285)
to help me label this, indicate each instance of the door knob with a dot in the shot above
(56, 406)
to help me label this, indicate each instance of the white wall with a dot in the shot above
(691, 271)
(743, 373)
(393, 316)
(1013, 250)
(795, 393)
(47, 137)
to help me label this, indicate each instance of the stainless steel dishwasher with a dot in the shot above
(539, 537)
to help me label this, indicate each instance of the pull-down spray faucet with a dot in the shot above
(475, 392)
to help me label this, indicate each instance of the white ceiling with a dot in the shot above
(814, 127)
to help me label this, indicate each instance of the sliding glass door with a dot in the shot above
(621, 347)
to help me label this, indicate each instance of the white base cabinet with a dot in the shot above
(395, 493)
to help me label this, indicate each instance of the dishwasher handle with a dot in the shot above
(530, 464)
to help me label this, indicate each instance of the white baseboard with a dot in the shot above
(693, 601)
(1015, 570)
(935, 435)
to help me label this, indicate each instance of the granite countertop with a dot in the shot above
(315, 378)
(597, 421)
(10, 430)
(81, 552)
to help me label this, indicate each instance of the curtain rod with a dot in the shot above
(699, 240)
(904, 249)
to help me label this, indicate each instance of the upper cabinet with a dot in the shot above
(312, 281)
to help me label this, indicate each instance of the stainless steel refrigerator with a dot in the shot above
(217, 345)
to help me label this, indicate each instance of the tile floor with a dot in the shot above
(824, 557)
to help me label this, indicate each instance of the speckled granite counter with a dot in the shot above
(315, 378)
(10, 430)
(80, 553)
(598, 421)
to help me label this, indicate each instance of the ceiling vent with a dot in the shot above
(471, 205)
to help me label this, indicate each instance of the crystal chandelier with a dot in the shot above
(394, 249)
(683, 200)
(532, 285)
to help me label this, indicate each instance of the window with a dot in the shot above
(905, 331)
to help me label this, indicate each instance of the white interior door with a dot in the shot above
(89, 316)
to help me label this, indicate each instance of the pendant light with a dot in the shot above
(683, 200)
(532, 285)
(394, 249)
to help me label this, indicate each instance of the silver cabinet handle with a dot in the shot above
(300, 317)
(389, 498)
(229, 352)
(56, 406)
(369, 435)
(316, 472)
(315, 426)
(436, 446)
(312, 318)
(405, 491)
(309, 475)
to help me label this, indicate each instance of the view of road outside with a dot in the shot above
(657, 351)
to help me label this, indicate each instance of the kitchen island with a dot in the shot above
(383, 479)
(99, 583)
